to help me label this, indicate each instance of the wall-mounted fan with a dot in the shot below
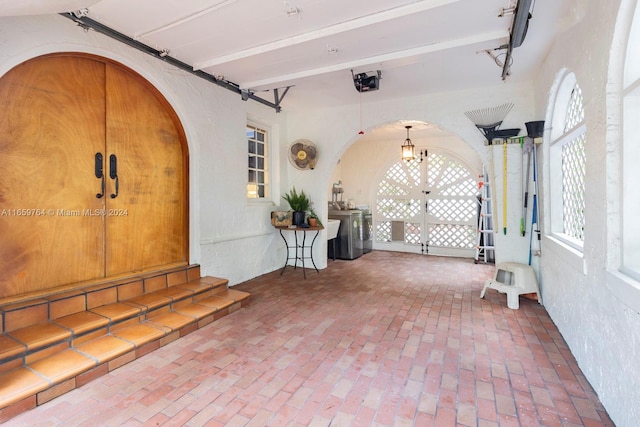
(303, 154)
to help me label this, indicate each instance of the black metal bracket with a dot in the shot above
(89, 24)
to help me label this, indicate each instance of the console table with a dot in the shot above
(296, 251)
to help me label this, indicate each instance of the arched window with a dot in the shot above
(631, 153)
(567, 164)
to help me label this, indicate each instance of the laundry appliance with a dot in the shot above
(349, 243)
(367, 230)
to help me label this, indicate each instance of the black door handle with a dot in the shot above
(113, 173)
(99, 173)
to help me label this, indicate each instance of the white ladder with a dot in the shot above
(484, 244)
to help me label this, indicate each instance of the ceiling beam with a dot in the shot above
(376, 18)
(184, 20)
(401, 54)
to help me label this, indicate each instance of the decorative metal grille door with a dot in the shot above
(430, 206)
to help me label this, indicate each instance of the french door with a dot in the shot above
(94, 176)
(428, 207)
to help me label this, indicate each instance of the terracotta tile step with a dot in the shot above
(232, 294)
(20, 384)
(40, 356)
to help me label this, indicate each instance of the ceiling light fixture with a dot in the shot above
(409, 150)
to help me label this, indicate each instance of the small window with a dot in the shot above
(257, 183)
(568, 165)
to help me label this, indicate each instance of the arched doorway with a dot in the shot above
(372, 173)
(95, 174)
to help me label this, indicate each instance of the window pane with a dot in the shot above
(568, 167)
(575, 110)
(573, 173)
(257, 161)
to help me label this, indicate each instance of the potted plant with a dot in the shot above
(299, 203)
(312, 218)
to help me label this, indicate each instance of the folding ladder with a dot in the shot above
(484, 244)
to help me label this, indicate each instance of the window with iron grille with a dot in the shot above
(257, 183)
(568, 166)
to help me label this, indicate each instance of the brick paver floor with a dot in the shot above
(389, 339)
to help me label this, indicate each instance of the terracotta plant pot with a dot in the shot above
(313, 222)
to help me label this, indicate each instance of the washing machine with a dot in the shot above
(349, 243)
(367, 231)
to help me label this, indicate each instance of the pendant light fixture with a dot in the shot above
(409, 150)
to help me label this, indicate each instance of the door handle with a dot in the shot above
(113, 173)
(99, 173)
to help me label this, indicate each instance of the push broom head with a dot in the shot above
(487, 120)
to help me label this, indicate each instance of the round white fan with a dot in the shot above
(303, 154)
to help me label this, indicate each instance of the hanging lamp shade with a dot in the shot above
(408, 149)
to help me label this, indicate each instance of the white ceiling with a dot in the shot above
(420, 46)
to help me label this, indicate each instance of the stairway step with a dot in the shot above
(40, 335)
(172, 320)
(216, 302)
(199, 311)
(174, 293)
(141, 333)
(117, 311)
(10, 348)
(232, 294)
(63, 365)
(19, 384)
(106, 348)
(150, 301)
(80, 323)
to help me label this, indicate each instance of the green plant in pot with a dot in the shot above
(312, 218)
(299, 203)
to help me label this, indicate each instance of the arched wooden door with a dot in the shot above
(69, 213)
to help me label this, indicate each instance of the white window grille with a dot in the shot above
(257, 184)
(449, 190)
(568, 166)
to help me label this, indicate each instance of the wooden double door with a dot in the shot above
(94, 175)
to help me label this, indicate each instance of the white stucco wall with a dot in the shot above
(595, 308)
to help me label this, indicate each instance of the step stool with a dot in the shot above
(513, 279)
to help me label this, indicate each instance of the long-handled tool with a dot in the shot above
(535, 208)
(504, 188)
(526, 148)
(537, 190)
(492, 186)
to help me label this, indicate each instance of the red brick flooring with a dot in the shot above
(389, 339)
